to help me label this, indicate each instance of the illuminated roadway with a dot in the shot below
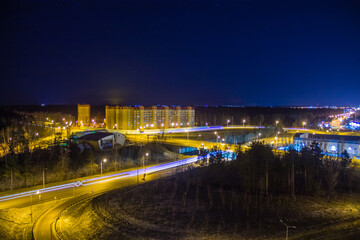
(86, 188)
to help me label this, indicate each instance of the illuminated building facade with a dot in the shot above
(140, 118)
(83, 115)
(330, 144)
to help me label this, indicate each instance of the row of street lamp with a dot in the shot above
(276, 123)
(101, 170)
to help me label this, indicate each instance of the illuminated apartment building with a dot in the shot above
(83, 115)
(139, 117)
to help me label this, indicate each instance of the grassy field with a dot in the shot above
(173, 208)
(15, 223)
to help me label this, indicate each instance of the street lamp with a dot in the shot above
(228, 123)
(243, 122)
(277, 122)
(101, 164)
(146, 155)
(287, 228)
(304, 123)
(43, 175)
(31, 200)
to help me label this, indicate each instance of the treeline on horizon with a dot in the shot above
(262, 116)
(287, 116)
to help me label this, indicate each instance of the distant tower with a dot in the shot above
(84, 115)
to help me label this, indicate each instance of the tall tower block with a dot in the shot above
(84, 115)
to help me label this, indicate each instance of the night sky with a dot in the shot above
(180, 52)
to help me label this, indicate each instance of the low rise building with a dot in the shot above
(329, 143)
(102, 140)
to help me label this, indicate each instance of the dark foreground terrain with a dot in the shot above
(175, 208)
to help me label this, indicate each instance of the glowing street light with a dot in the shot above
(187, 135)
(101, 164)
(277, 122)
(227, 123)
(304, 123)
(243, 122)
(146, 156)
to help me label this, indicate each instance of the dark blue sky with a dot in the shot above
(180, 52)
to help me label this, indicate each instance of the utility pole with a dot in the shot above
(43, 173)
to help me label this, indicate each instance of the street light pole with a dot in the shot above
(43, 177)
(243, 122)
(31, 208)
(101, 164)
(146, 155)
(227, 125)
(137, 173)
(287, 228)
(31, 201)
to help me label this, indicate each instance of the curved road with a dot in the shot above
(44, 226)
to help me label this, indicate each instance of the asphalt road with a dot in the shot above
(69, 193)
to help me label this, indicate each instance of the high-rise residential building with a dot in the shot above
(110, 117)
(83, 115)
(139, 117)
